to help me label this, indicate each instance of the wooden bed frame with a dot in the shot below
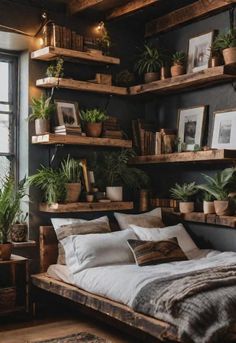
(159, 330)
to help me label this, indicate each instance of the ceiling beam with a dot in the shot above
(130, 7)
(187, 14)
(76, 6)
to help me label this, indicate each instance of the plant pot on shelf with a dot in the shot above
(216, 61)
(177, 69)
(42, 126)
(208, 207)
(222, 207)
(73, 191)
(150, 77)
(186, 207)
(229, 55)
(5, 251)
(165, 73)
(93, 129)
(19, 232)
(114, 193)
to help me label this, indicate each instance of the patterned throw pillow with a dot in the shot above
(151, 252)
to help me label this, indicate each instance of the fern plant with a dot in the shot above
(179, 58)
(42, 108)
(225, 40)
(71, 169)
(94, 115)
(149, 61)
(184, 192)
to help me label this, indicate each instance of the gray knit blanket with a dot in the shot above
(202, 305)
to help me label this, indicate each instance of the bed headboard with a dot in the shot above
(48, 247)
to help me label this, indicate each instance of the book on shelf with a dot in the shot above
(67, 130)
(164, 202)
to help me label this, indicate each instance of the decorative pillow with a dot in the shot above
(150, 252)
(148, 219)
(78, 227)
(94, 250)
(184, 240)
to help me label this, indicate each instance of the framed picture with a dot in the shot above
(224, 130)
(199, 52)
(67, 113)
(191, 122)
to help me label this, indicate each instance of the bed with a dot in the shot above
(161, 330)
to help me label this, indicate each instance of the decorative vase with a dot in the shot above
(93, 129)
(177, 69)
(186, 207)
(229, 55)
(19, 232)
(222, 207)
(144, 200)
(208, 207)
(42, 126)
(5, 251)
(150, 77)
(73, 191)
(165, 73)
(215, 61)
(114, 193)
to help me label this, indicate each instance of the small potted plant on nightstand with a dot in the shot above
(93, 120)
(178, 64)
(71, 169)
(19, 230)
(184, 193)
(226, 42)
(42, 109)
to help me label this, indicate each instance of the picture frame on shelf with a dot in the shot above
(199, 52)
(67, 113)
(191, 125)
(224, 130)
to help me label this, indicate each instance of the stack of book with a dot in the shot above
(111, 128)
(146, 140)
(169, 203)
(68, 130)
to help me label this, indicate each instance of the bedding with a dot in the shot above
(148, 219)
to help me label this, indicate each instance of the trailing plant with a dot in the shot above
(94, 115)
(184, 192)
(56, 70)
(104, 42)
(124, 78)
(220, 185)
(10, 199)
(42, 108)
(71, 169)
(179, 58)
(149, 61)
(225, 40)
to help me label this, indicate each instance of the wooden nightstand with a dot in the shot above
(14, 285)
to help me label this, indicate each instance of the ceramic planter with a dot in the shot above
(89, 197)
(222, 207)
(19, 232)
(42, 126)
(114, 193)
(73, 191)
(165, 73)
(93, 129)
(177, 69)
(5, 251)
(215, 61)
(208, 207)
(229, 55)
(186, 207)
(150, 77)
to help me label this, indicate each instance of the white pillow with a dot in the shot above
(184, 240)
(58, 222)
(94, 250)
(147, 219)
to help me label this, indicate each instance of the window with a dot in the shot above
(8, 114)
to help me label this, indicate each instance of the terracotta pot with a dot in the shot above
(177, 69)
(208, 207)
(186, 207)
(89, 197)
(150, 77)
(229, 55)
(165, 73)
(215, 61)
(73, 191)
(19, 232)
(5, 251)
(222, 208)
(114, 193)
(93, 129)
(42, 126)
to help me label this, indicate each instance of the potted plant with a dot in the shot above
(19, 230)
(184, 193)
(208, 203)
(178, 63)
(149, 63)
(71, 169)
(226, 42)
(113, 173)
(125, 78)
(219, 187)
(10, 199)
(56, 70)
(216, 55)
(42, 109)
(93, 120)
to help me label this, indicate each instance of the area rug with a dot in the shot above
(82, 337)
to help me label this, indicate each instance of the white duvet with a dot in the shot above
(122, 282)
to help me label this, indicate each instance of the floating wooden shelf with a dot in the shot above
(86, 207)
(187, 82)
(50, 82)
(50, 53)
(187, 157)
(27, 244)
(50, 139)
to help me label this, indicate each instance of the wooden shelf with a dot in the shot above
(27, 244)
(50, 82)
(50, 139)
(186, 82)
(50, 53)
(187, 157)
(86, 207)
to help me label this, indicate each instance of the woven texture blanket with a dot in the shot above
(202, 305)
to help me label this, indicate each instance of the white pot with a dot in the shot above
(208, 207)
(114, 193)
(186, 207)
(42, 126)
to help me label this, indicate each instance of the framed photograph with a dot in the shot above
(224, 130)
(199, 52)
(191, 122)
(67, 113)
